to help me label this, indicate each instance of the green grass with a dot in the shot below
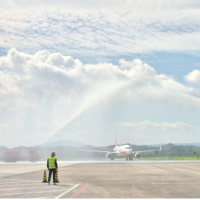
(77, 159)
(123, 158)
(169, 158)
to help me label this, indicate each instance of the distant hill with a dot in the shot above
(69, 143)
(3, 148)
(184, 144)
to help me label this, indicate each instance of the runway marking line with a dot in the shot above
(79, 191)
(179, 169)
(66, 191)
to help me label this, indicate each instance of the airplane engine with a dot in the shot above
(137, 155)
(108, 155)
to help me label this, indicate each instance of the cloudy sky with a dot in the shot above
(87, 70)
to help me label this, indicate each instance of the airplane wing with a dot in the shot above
(146, 151)
(94, 151)
(99, 151)
(107, 149)
(142, 151)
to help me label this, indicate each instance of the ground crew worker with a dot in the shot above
(52, 167)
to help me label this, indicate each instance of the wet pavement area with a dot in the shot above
(103, 180)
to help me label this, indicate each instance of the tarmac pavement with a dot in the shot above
(103, 180)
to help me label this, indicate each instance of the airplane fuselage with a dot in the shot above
(124, 150)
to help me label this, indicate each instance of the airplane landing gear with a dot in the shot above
(112, 159)
(129, 158)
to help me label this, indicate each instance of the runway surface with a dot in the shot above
(103, 179)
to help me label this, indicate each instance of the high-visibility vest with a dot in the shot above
(52, 163)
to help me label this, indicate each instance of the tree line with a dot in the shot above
(70, 153)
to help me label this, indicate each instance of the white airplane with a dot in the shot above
(122, 150)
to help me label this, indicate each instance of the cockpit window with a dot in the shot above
(127, 147)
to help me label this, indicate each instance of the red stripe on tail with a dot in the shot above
(115, 140)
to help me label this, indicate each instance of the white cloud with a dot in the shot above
(164, 132)
(193, 76)
(88, 29)
(104, 5)
(146, 125)
(40, 93)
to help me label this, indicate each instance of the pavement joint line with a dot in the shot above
(181, 183)
(178, 169)
(44, 197)
(33, 187)
(19, 169)
(20, 180)
(57, 197)
(11, 179)
(33, 183)
(6, 179)
(27, 182)
(31, 192)
(12, 185)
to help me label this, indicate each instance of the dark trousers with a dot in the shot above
(54, 173)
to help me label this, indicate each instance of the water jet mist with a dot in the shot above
(110, 92)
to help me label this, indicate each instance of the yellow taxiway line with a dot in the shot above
(179, 169)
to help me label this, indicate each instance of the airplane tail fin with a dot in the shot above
(115, 140)
(160, 148)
